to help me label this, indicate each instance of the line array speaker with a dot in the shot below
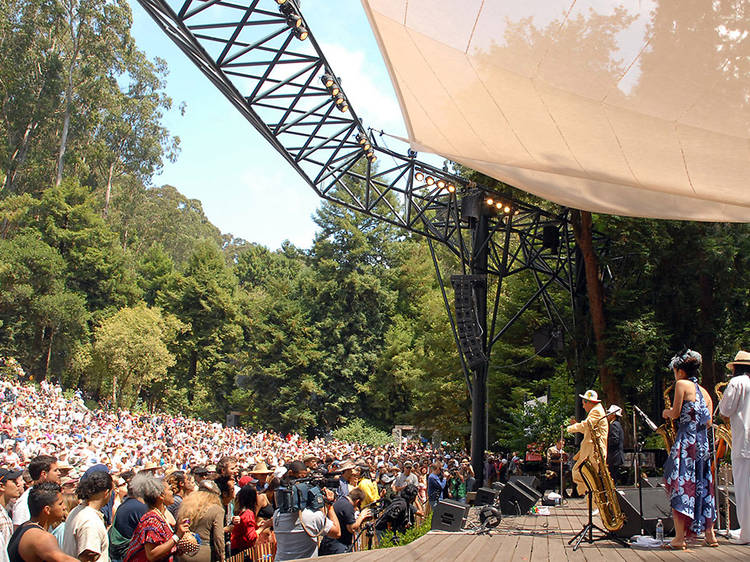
(467, 326)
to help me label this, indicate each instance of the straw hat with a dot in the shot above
(261, 468)
(742, 358)
(591, 396)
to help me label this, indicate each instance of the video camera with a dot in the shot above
(304, 493)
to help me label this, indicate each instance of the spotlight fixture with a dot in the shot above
(330, 83)
(490, 201)
(300, 32)
(451, 188)
(339, 99)
(293, 19)
(506, 210)
(499, 204)
(430, 180)
(371, 155)
(280, 2)
(419, 176)
(344, 107)
(441, 184)
(517, 212)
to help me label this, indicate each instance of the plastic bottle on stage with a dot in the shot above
(659, 530)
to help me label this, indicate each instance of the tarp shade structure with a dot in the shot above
(638, 108)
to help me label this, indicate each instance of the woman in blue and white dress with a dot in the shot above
(687, 472)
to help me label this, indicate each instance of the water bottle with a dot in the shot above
(659, 531)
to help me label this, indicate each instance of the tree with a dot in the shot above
(131, 352)
(29, 85)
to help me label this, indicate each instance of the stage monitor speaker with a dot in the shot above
(721, 499)
(533, 492)
(655, 506)
(529, 479)
(449, 515)
(233, 420)
(486, 496)
(514, 500)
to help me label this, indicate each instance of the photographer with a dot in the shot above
(400, 513)
(456, 486)
(297, 532)
(345, 508)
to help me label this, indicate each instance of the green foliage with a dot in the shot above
(537, 423)
(358, 431)
(131, 354)
(391, 539)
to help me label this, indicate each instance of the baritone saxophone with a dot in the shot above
(602, 486)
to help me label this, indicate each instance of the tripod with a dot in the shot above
(588, 528)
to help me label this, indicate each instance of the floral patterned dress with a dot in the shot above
(687, 472)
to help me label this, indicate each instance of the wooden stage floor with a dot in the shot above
(537, 538)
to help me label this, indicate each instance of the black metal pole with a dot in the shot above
(479, 396)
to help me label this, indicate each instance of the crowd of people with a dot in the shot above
(91, 484)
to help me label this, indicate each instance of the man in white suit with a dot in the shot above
(735, 406)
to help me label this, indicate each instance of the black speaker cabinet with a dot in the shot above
(530, 480)
(655, 506)
(721, 500)
(514, 500)
(485, 496)
(497, 486)
(449, 515)
(533, 492)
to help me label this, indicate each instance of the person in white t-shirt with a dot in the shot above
(735, 406)
(42, 469)
(85, 533)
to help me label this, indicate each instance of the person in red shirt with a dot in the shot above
(245, 530)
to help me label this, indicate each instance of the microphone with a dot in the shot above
(649, 423)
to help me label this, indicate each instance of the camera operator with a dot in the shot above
(297, 532)
(345, 508)
(400, 513)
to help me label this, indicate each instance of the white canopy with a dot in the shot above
(638, 107)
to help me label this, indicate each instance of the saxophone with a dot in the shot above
(667, 429)
(723, 430)
(601, 484)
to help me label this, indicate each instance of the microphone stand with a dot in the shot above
(562, 453)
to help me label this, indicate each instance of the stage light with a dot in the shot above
(343, 108)
(499, 204)
(339, 99)
(279, 2)
(451, 188)
(430, 180)
(441, 184)
(506, 209)
(419, 176)
(490, 201)
(362, 139)
(517, 212)
(330, 83)
(300, 32)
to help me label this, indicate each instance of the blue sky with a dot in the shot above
(245, 186)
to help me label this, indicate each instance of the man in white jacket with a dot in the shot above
(735, 406)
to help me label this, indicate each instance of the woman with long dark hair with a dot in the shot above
(245, 531)
(687, 472)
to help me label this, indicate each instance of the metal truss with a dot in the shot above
(262, 56)
(251, 51)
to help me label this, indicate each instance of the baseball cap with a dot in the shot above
(6, 474)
